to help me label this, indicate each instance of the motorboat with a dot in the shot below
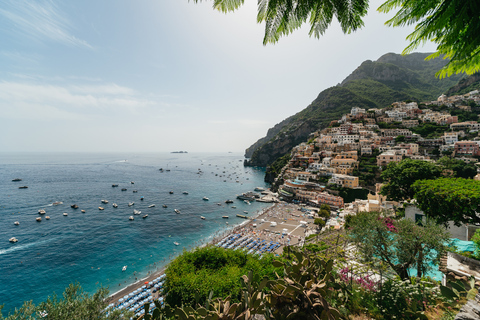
(131, 204)
(151, 206)
(176, 210)
(185, 192)
(41, 211)
(39, 219)
(259, 189)
(82, 211)
(165, 206)
(205, 198)
(233, 207)
(47, 218)
(56, 203)
(13, 240)
(23, 187)
(246, 196)
(246, 201)
(115, 205)
(124, 268)
(136, 211)
(74, 206)
(104, 201)
(225, 217)
(176, 243)
(124, 189)
(145, 216)
(202, 217)
(142, 198)
(135, 191)
(246, 212)
(16, 223)
(132, 182)
(229, 201)
(219, 204)
(101, 208)
(16, 179)
(171, 192)
(65, 214)
(130, 218)
(114, 185)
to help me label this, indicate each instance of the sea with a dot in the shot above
(91, 248)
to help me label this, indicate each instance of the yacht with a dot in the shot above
(101, 208)
(13, 240)
(205, 198)
(177, 211)
(16, 223)
(115, 205)
(41, 211)
(130, 218)
(65, 214)
(151, 206)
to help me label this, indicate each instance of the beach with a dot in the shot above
(282, 222)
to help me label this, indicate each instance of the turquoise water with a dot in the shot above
(92, 247)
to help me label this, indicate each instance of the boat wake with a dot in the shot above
(25, 246)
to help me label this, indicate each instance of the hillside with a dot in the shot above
(374, 84)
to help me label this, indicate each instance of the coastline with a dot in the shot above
(113, 297)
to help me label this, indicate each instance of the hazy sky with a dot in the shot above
(162, 75)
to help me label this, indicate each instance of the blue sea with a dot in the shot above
(92, 247)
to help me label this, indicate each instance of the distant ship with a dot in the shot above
(179, 152)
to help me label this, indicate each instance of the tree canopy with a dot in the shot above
(399, 177)
(449, 199)
(453, 25)
(460, 168)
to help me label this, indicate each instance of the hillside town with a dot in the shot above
(351, 153)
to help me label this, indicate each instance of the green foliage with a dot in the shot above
(449, 199)
(399, 244)
(452, 24)
(476, 243)
(192, 275)
(399, 139)
(399, 177)
(319, 222)
(460, 167)
(74, 304)
(430, 130)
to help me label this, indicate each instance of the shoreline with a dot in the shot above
(113, 297)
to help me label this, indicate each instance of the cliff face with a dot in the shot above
(374, 84)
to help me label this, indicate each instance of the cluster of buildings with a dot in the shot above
(332, 156)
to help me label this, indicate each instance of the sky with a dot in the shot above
(163, 75)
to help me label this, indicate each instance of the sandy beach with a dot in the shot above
(282, 222)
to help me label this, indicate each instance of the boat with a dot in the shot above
(205, 198)
(145, 216)
(13, 240)
(225, 217)
(135, 191)
(185, 192)
(115, 205)
(16, 223)
(229, 201)
(141, 198)
(242, 216)
(41, 211)
(168, 170)
(131, 204)
(176, 243)
(101, 208)
(23, 187)
(124, 268)
(219, 204)
(82, 211)
(74, 206)
(104, 201)
(38, 219)
(259, 189)
(233, 207)
(16, 179)
(246, 201)
(176, 210)
(151, 206)
(246, 196)
(47, 218)
(132, 182)
(56, 203)
(171, 192)
(114, 185)
(165, 206)
(65, 214)
(202, 217)
(130, 218)
(124, 189)
(246, 212)
(136, 211)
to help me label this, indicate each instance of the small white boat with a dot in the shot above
(131, 204)
(245, 212)
(225, 217)
(185, 192)
(56, 203)
(205, 198)
(176, 243)
(104, 201)
(65, 214)
(165, 206)
(124, 268)
(176, 210)
(136, 211)
(151, 206)
(16, 223)
(13, 239)
(47, 218)
(115, 205)
(145, 216)
(233, 207)
(202, 217)
(130, 218)
(82, 211)
(41, 211)
(101, 208)
(39, 219)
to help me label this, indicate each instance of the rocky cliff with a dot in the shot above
(374, 84)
